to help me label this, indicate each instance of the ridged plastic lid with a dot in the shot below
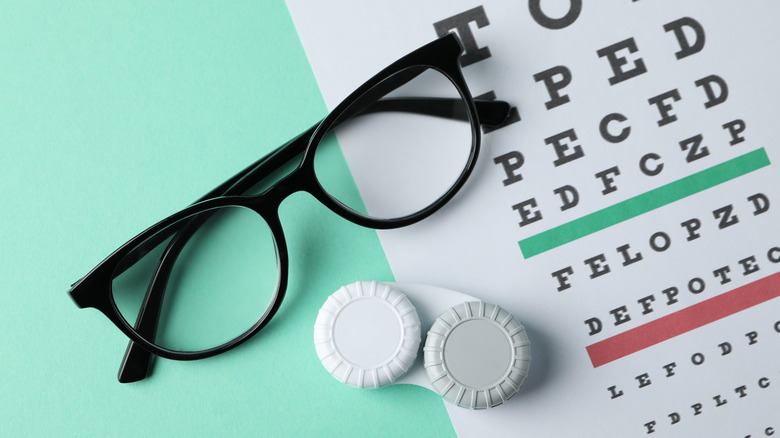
(477, 355)
(367, 334)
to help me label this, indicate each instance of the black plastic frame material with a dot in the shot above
(95, 289)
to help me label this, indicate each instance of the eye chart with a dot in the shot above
(627, 214)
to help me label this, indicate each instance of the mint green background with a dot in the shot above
(113, 115)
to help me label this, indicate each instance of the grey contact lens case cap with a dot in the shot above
(477, 355)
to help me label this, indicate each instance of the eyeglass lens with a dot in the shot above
(400, 162)
(224, 277)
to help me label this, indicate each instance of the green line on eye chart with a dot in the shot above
(643, 203)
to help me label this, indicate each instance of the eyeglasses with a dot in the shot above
(209, 277)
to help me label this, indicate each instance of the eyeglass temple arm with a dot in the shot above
(491, 113)
(137, 361)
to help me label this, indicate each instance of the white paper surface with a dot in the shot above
(714, 370)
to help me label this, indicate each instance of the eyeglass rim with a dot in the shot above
(441, 55)
(104, 274)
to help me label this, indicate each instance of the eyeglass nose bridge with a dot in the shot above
(299, 180)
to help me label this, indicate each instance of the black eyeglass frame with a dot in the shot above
(95, 289)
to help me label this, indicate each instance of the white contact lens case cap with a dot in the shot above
(367, 334)
(477, 355)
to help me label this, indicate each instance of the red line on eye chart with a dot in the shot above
(683, 321)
